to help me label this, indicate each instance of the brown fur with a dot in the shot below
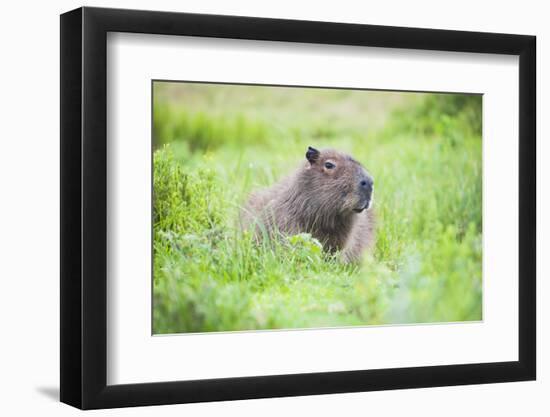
(328, 203)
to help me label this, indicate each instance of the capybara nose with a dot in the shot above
(366, 185)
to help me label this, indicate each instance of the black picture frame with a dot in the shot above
(84, 207)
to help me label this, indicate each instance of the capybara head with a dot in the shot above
(336, 182)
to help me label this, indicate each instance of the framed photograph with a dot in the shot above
(257, 207)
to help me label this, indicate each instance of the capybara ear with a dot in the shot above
(312, 154)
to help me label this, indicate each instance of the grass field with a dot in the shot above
(214, 144)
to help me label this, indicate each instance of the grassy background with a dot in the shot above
(216, 143)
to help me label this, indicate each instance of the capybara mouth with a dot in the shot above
(366, 206)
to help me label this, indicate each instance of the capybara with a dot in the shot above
(329, 196)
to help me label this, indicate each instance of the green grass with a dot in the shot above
(214, 144)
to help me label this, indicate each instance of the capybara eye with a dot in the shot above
(329, 165)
